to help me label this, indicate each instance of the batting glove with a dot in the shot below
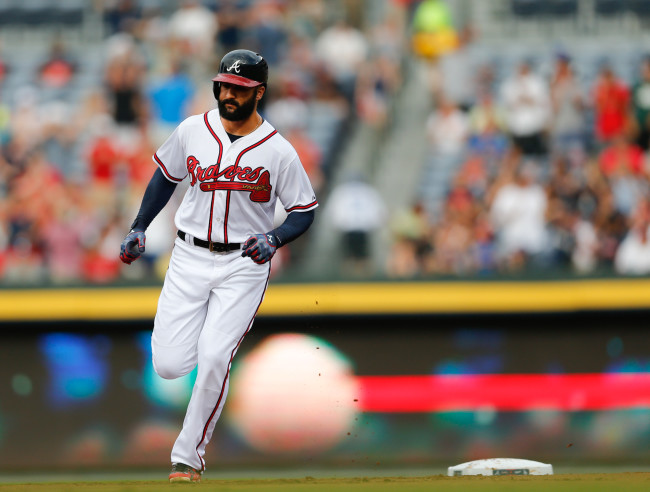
(132, 246)
(260, 247)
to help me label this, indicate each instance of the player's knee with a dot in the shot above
(165, 370)
(169, 366)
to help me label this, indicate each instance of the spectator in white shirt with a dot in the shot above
(527, 107)
(357, 211)
(343, 49)
(447, 129)
(633, 254)
(518, 215)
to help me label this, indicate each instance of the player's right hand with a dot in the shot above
(132, 246)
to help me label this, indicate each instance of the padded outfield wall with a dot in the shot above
(340, 374)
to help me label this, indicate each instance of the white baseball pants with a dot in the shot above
(207, 305)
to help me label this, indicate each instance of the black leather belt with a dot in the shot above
(212, 246)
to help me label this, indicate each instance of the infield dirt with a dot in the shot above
(438, 483)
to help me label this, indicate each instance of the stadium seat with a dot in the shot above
(69, 12)
(9, 12)
(35, 13)
(639, 7)
(562, 15)
(561, 8)
(527, 8)
(609, 7)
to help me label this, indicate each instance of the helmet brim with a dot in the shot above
(236, 80)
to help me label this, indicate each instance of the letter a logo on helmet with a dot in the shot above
(234, 66)
(243, 67)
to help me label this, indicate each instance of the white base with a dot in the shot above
(500, 466)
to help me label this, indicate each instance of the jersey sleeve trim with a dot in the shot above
(302, 208)
(164, 170)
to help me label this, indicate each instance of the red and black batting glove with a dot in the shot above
(260, 247)
(132, 246)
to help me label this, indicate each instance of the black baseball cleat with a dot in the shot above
(184, 473)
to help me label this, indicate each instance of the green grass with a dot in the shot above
(438, 483)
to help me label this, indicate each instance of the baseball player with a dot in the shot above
(237, 166)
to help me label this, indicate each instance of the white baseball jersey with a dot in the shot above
(233, 186)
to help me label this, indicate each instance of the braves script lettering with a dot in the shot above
(256, 181)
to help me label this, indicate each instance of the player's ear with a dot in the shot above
(260, 92)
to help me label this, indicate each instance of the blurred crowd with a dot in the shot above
(538, 169)
(546, 171)
(76, 137)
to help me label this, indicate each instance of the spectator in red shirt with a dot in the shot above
(4, 70)
(58, 69)
(621, 157)
(622, 164)
(611, 101)
(103, 157)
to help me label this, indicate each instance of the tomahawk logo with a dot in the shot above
(234, 66)
(260, 191)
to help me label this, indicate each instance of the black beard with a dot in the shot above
(240, 113)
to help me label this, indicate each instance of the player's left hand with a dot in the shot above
(260, 247)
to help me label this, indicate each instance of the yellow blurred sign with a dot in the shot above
(345, 298)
